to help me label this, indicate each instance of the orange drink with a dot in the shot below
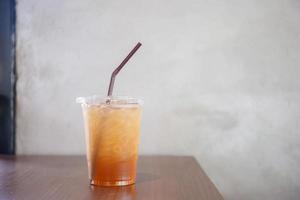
(112, 129)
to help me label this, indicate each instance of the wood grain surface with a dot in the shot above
(65, 177)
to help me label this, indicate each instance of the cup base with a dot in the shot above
(111, 183)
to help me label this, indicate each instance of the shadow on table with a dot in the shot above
(118, 193)
(145, 177)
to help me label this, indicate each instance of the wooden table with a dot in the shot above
(65, 177)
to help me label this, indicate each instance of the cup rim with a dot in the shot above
(114, 100)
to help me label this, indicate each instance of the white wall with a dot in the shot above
(220, 81)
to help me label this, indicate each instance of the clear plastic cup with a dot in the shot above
(112, 129)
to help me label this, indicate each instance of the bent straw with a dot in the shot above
(118, 69)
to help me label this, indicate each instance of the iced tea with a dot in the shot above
(112, 136)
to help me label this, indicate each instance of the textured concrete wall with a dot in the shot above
(220, 80)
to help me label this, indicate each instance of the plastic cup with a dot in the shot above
(112, 130)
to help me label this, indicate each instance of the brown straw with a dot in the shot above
(116, 71)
